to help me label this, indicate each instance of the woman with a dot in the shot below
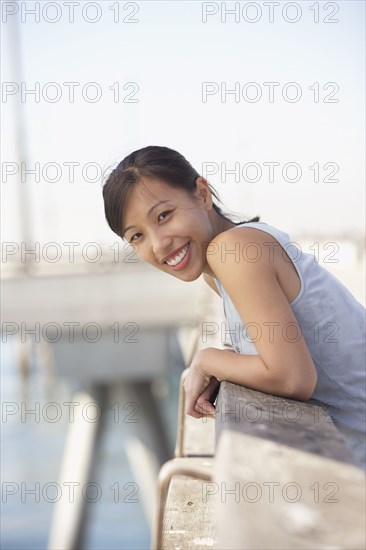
(297, 331)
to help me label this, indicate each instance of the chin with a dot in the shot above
(188, 278)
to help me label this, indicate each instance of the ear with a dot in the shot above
(203, 192)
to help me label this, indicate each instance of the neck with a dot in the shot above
(219, 225)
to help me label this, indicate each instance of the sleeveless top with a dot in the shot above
(332, 323)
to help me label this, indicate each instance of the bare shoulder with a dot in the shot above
(252, 256)
(252, 248)
(244, 233)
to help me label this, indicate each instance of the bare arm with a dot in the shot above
(283, 365)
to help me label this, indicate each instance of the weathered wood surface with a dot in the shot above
(195, 437)
(300, 425)
(174, 527)
(189, 516)
(282, 483)
(186, 520)
(199, 436)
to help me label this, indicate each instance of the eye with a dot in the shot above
(165, 212)
(132, 238)
(161, 217)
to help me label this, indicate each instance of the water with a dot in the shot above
(31, 453)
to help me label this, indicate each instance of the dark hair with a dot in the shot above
(154, 162)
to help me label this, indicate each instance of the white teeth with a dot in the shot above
(179, 256)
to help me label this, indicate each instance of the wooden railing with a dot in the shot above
(277, 474)
(283, 476)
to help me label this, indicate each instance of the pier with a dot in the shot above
(112, 328)
(273, 473)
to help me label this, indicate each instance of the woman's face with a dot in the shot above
(172, 235)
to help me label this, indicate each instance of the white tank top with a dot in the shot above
(332, 323)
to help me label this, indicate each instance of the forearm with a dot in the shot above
(246, 370)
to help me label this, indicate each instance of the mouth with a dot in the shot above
(180, 260)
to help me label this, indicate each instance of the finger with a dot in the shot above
(208, 391)
(205, 407)
(205, 401)
(190, 409)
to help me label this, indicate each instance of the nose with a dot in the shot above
(161, 245)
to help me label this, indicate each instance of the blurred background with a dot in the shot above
(266, 100)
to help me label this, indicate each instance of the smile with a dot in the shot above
(177, 261)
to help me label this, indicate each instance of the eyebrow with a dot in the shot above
(149, 212)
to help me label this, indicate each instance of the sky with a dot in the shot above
(274, 92)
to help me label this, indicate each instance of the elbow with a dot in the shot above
(302, 394)
(303, 388)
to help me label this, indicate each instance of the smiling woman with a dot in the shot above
(161, 205)
(296, 330)
(171, 239)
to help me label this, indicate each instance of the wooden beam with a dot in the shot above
(301, 425)
(280, 482)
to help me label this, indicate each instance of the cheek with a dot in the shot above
(135, 255)
(143, 254)
(201, 230)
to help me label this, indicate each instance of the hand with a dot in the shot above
(199, 385)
